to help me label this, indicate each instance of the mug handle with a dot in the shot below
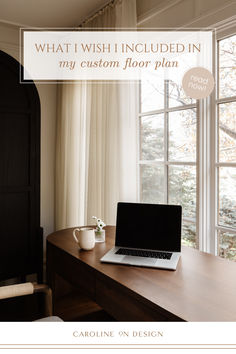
(74, 235)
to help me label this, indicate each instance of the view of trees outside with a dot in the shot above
(227, 132)
(152, 183)
(177, 96)
(152, 94)
(227, 245)
(152, 137)
(227, 196)
(182, 188)
(227, 148)
(182, 135)
(227, 63)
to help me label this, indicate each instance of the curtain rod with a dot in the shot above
(99, 12)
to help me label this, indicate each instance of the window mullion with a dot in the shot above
(204, 177)
(168, 109)
(166, 92)
(206, 181)
(213, 192)
(226, 100)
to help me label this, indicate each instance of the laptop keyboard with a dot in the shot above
(141, 253)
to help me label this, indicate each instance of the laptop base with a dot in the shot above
(112, 257)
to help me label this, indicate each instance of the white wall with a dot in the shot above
(9, 43)
(177, 13)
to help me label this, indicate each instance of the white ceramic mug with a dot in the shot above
(86, 238)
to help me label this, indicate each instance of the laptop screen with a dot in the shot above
(149, 226)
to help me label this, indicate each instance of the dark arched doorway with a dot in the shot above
(20, 232)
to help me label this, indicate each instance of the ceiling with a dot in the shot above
(48, 13)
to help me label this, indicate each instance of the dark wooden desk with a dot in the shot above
(203, 288)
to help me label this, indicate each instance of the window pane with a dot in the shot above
(227, 245)
(152, 93)
(152, 137)
(177, 96)
(227, 196)
(152, 184)
(227, 67)
(182, 188)
(182, 135)
(227, 132)
(189, 237)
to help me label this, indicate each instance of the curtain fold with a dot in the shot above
(72, 150)
(96, 139)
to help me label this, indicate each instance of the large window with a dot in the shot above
(225, 166)
(170, 166)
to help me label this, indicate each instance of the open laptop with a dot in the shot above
(147, 235)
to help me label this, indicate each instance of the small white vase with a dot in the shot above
(100, 236)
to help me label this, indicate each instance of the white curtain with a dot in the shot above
(72, 149)
(96, 139)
